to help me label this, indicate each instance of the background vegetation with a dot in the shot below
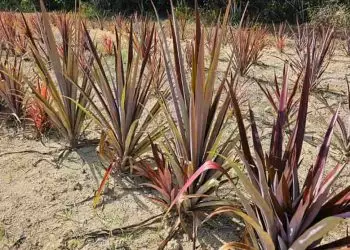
(266, 11)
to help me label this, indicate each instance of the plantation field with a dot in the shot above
(149, 134)
(44, 202)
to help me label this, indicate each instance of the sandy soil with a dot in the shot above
(43, 202)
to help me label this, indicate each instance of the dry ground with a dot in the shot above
(44, 202)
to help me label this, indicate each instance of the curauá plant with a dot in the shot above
(261, 34)
(33, 23)
(61, 74)
(12, 36)
(247, 43)
(274, 95)
(126, 112)
(280, 36)
(160, 176)
(282, 213)
(318, 46)
(196, 116)
(12, 86)
(341, 133)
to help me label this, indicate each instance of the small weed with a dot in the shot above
(74, 244)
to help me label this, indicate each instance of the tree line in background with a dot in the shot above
(266, 11)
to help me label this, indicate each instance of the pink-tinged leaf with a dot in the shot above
(102, 184)
(268, 96)
(278, 130)
(322, 196)
(338, 204)
(318, 170)
(331, 177)
(241, 127)
(314, 178)
(298, 215)
(159, 178)
(209, 165)
(299, 132)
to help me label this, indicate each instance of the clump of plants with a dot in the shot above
(159, 176)
(274, 94)
(280, 36)
(189, 171)
(247, 43)
(61, 69)
(281, 211)
(163, 111)
(12, 37)
(316, 46)
(127, 114)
